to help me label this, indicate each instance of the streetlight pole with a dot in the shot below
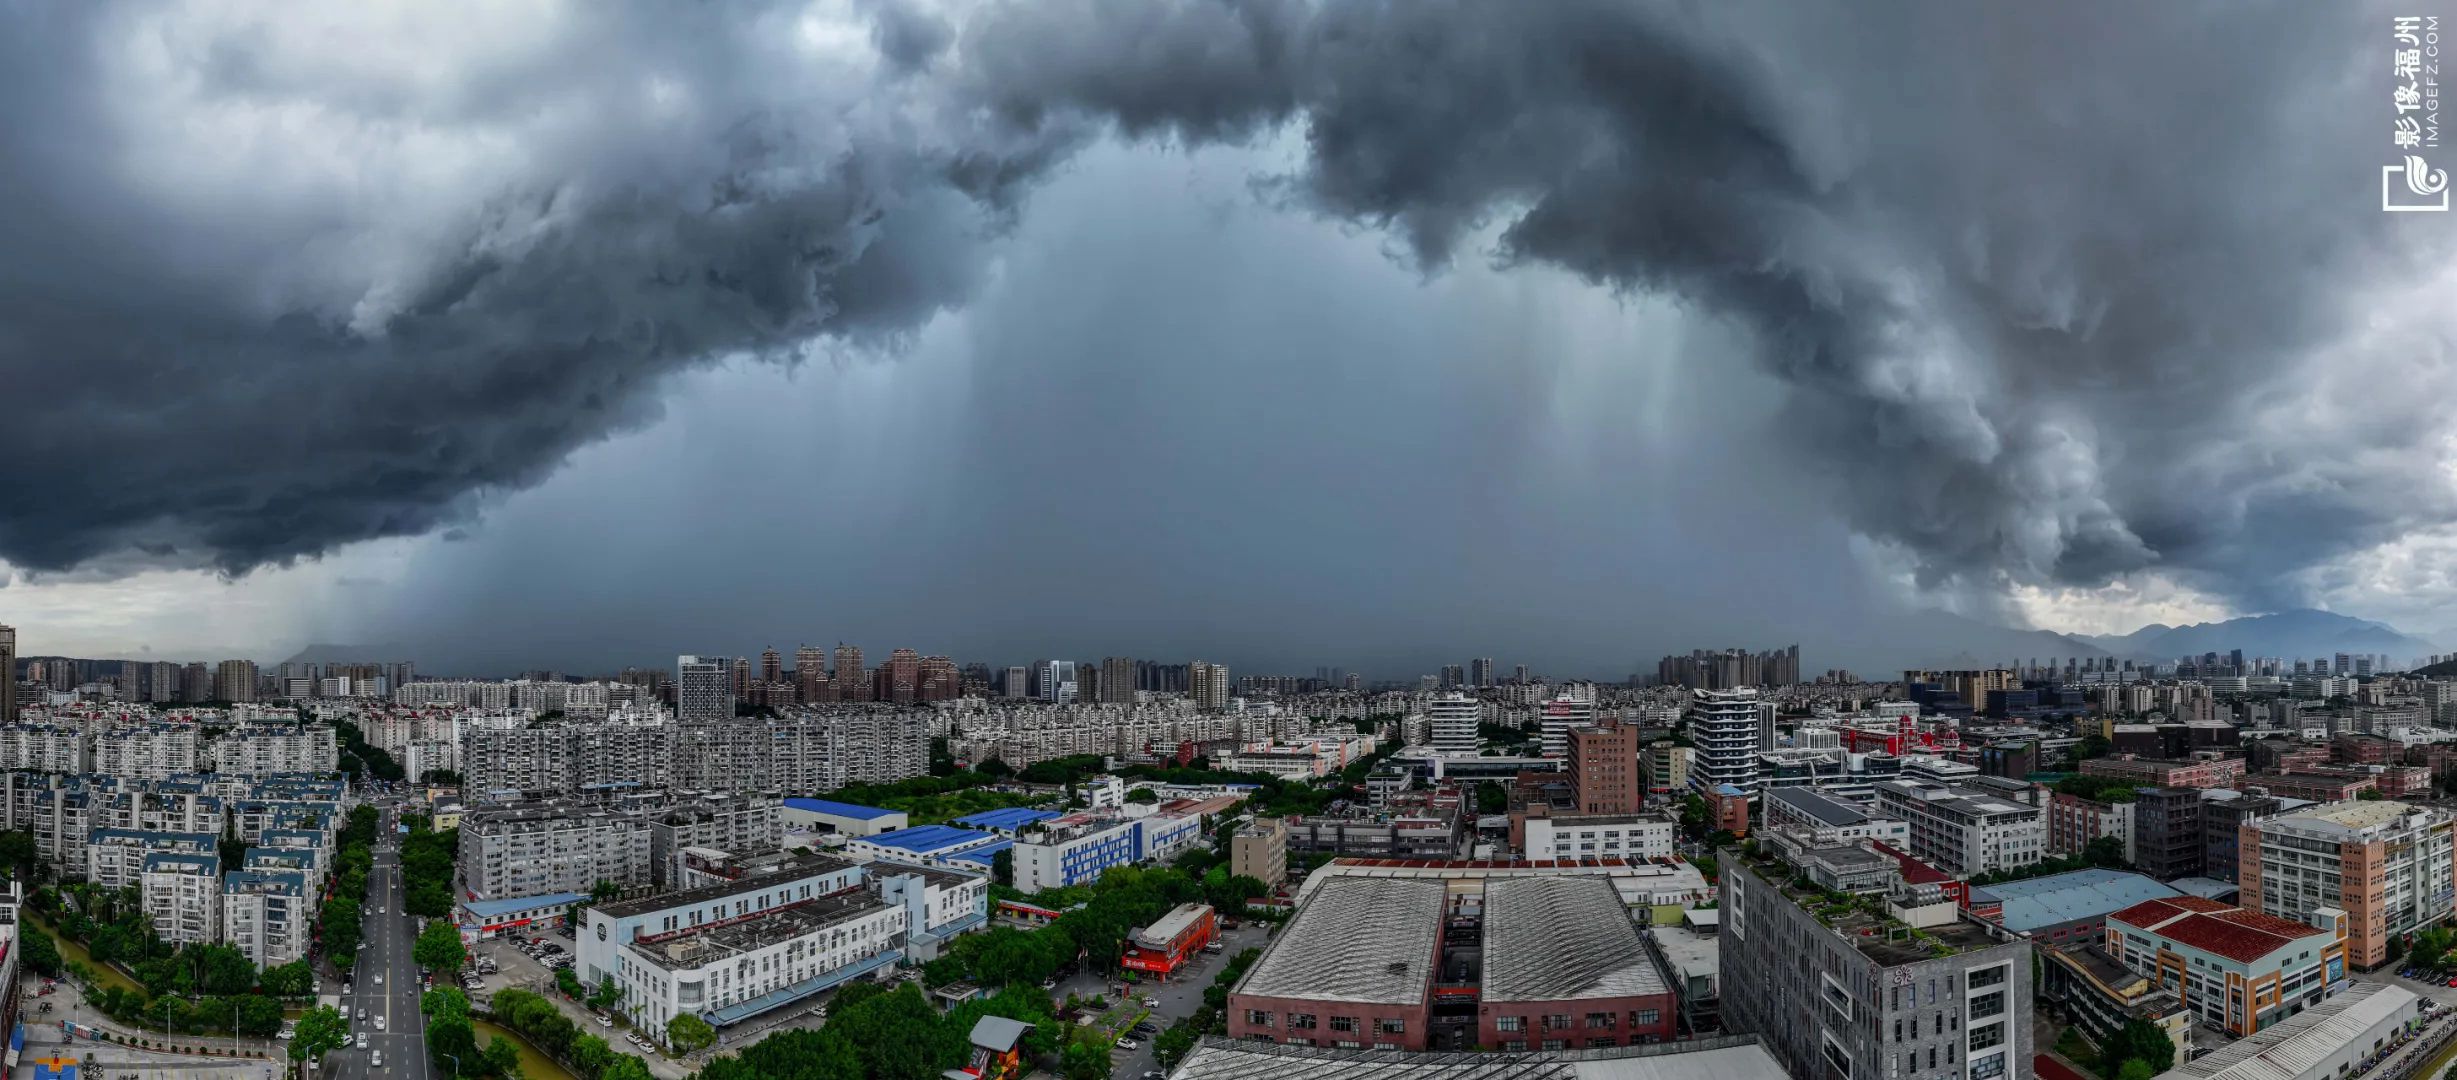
(456, 1063)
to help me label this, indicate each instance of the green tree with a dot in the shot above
(626, 1067)
(608, 995)
(688, 1033)
(42, 954)
(2369, 795)
(2093, 745)
(898, 1035)
(439, 947)
(259, 1015)
(569, 984)
(294, 979)
(591, 1055)
(222, 969)
(502, 1057)
(18, 854)
(1002, 868)
(2106, 852)
(341, 931)
(319, 1029)
(2136, 1069)
(604, 890)
(1492, 798)
(2137, 1040)
(1086, 1056)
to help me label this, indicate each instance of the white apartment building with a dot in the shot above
(1964, 832)
(1454, 724)
(1559, 716)
(43, 748)
(182, 894)
(804, 750)
(115, 858)
(268, 914)
(150, 752)
(1727, 733)
(739, 824)
(1596, 836)
(266, 750)
(552, 848)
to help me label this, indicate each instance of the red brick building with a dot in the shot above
(2160, 772)
(1522, 962)
(1603, 768)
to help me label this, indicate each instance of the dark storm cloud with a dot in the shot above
(228, 375)
(2040, 275)
(2057, 289)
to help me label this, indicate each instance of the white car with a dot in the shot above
(379, 1059)
(1129, 1044)
(379, 1022)
(362, 1040)
(379, 979)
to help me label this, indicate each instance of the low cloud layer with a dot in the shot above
(2063, 295)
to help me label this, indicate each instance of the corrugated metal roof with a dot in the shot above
(2082, 894)
(1556, 938)
(1725, 1058)
(2296, 1047)
(1356, 939)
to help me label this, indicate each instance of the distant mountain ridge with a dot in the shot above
(2301, 633)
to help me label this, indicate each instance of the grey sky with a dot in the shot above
(1284, 333)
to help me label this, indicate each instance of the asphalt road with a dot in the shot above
(389, 934)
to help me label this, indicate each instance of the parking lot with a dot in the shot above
(1173, 999)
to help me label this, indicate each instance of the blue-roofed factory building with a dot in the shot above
(927, 845)
(849, 819)
(1005, 821)
(2069, 907)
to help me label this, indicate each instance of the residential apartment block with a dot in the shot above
(43, 748)
(266, 750)
(551, 848)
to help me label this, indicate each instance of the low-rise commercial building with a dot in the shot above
(2239, 970)
(2159, 772)
(1589, 836)
(1171, 941)
(1792, 807)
